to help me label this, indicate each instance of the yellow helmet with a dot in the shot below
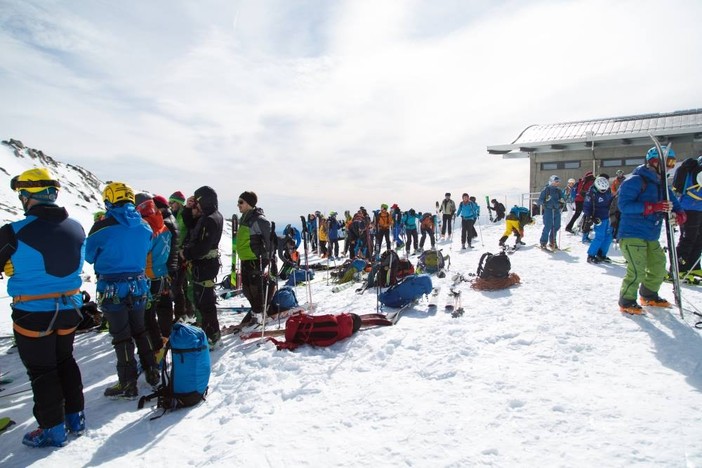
(117, 192)
(34, 181)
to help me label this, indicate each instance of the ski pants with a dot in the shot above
(426, 232)
(603, 239)
(255, 285)
(552, 223)
(383, 233)
(126, 320)
(181, 303)
(467, 230)
(53, 372)
(512, 227)
(151, 323)
(446, 224)
(411, 236)
(690, 243)
(645, 266)
(578, 210)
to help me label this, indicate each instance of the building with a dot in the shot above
(570, 149)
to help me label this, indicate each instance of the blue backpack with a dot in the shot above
(283, 299)
(185, 383)
(406, 291)
(298, 276)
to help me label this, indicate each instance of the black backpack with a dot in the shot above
(494, 266)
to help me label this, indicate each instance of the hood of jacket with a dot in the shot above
(125, 214)
(207, 198)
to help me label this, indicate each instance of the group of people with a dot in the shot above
(155, 260)
(632, 210)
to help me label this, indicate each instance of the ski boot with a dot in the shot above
(75, 423)
(52, 437)
(629, 306)
(127, 391)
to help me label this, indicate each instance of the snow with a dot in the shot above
(545, 373)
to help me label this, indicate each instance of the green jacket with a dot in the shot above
(253, 241)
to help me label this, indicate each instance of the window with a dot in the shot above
(634, 161)
(611, 163)
(553, 166)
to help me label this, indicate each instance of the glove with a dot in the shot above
(9, 268)
(597, 221)
(680, 217)
(657, 207)
(587, 221)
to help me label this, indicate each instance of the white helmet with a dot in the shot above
(571, 181)
(601, 184)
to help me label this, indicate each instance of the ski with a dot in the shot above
(5, 423)
(342, 286)
(455, 307)
(434, 297)
(234, 309)
(487, 202)
(250, 323)
(670, 230)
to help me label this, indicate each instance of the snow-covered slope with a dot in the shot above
(545, 373)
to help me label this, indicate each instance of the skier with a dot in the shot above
(427, 226)
(643, 205)
(179, 284)
(690, 244)
(383, 225)
(164, 308)
(596, 212)
(617, 182)
(333, 228)
(551, 199)
(42, 255)
(448, 212)
(409, 224)
(499, 210)
(397, 231)
(583, 186)
(117, 246)
(517, 218)
(468, 212)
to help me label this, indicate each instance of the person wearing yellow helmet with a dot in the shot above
(117, 246)
(44, 253)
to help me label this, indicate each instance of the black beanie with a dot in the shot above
(249, 197)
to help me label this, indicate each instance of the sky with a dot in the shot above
(329, 105)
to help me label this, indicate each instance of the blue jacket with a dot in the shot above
(410, 221)
(333, 226)
(691, 199)
(643, 186)
(117, 246)
(597, 204)
(468, 210)
(47, 249)
(550, 198)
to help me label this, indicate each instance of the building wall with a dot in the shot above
(606, 160)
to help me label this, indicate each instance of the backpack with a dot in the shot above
(185, 383)
(430, 261)
(405, 268)
(299, 276)
(388, 266)
(427, 222)
(283, 299)
(317, 330)
(493, 266)
(406, 291)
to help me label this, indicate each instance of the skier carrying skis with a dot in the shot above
(499, 210)
(42, 256)
(468, 211)
(448, 212)
(596, 211)
(643, 205)
(551, 199)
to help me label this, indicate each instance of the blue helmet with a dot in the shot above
(653, 153)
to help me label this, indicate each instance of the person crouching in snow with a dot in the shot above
(596, 209)
(643, 207)
(517, 218)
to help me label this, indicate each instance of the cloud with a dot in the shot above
(330, 105)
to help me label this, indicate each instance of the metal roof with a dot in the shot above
(613, 131)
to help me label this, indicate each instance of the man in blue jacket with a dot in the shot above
(468, 211)
(643, 206)
(551, 199)
(118, 245)
(43, 256)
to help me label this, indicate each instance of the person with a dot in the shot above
(287, 252)
(473, 233)
(397, 231)
(690, 243)
(517, 218)
(43, 255)
(468, 212)
(182, 306)
(409, 224)
(569, 193)
(157, 267)
(583, 186)
(551, 199)
(348, 240)
(448, 212)
(323, 235)
(617, 182)
(333, 228)
(499, 210)
(164, 307)
(426, 225)
(201, 251)
(383, 225)
(596, 212)
(643, 206)
(117, 246)
(253, 245)
(312, 229)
